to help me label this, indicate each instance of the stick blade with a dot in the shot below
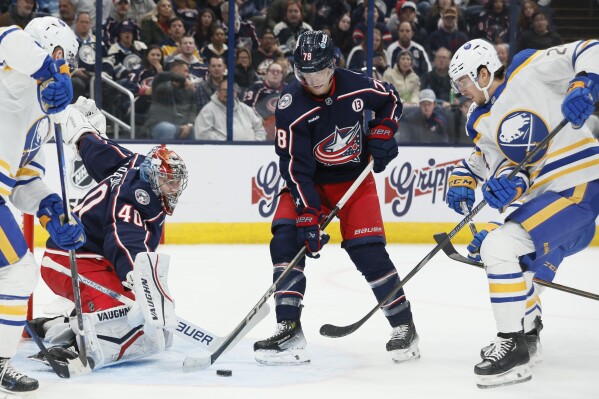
(331, 331)
(194, 363)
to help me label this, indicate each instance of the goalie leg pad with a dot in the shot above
(110, 339)
(151, 290)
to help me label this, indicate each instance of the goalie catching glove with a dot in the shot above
(81, 118)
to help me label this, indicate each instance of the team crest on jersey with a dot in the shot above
(518, 134)
(342, 146)
(285, 101)
(142, 196)
(34, 140)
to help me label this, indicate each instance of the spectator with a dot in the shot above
(288, 30)
(407, 13)
(503, 52)
(172, 111)
(433, 19)
(140, 8)
(277, 11)
(189, 54)
(461, 117)
(245, 74)
(126, 54)
(245, 32)
(45, 7)
(216, 46)
(421, 63)
(404, 79)
(425, 124)
(66, 11)
(216, 72)
(342, 35)
(188, 11)
(118, 15)
(211, 122)
(155, 24)
(176, 30)
(361, 29)
(89, 6)
(266, 53)
(528, 8)
(438, 79)
(328, 12)
(448, 35)
(86, 56)
(540, 37)
(203, 28)
(263, 96)
(356, 60)
(493, 23)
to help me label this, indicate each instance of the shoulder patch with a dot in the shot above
(285, 101)
(142, 196)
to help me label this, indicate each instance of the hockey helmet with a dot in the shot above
(51, 32)
(467, 61)
(314, 53)
(167, 174)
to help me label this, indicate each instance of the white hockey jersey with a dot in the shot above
(23, 127)
(522, 112)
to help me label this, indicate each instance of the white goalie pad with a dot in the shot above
(110, 339)
(151, 290)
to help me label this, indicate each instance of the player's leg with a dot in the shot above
(364, 240)
(288, 344)
(18, 277)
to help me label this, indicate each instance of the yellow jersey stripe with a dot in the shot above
(7, 249)
(27, 172)
(571, 147)
(525, 63)
(554, 208)
(573, 169)
(507, 288)
(19, 310)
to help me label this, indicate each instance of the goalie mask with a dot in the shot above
(167, 175)
(50, 33)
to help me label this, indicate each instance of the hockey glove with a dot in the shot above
(51, 213)
(461, 188)
(381, 143)
(500, 192)
(474, 246)
(55, 90)
(309, 233)
(579, 103)
(74, 124)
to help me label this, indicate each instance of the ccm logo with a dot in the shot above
(368, 230)
(460, 182)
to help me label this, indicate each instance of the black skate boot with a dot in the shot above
(286, 347)
(533, 342)
(403, 344)
(505, 363)
(14, 382)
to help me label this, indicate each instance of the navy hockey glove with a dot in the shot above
(579, 103)
(381, 143)
(55, 88)
(461, 188)
(51, 213)
(309, 233)
(500, 192)
(474, 246)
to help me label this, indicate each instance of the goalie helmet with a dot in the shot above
(51, 32)
(467, 61)
(314, 53)
(167, 175)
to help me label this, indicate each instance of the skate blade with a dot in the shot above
(405, 355)
(291, 357)
(516, 375)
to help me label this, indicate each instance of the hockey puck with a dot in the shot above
(224, 373)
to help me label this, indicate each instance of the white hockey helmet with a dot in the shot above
(51, 32)
(468, 59)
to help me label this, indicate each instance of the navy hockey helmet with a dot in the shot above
(314, 52)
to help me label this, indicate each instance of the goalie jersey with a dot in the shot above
(121, 215)
(522, 112)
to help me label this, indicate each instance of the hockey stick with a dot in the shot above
(185, 329)
(62, 168)
(330, 330)
(207, 362)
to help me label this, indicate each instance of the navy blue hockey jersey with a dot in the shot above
(121, 215)
(321, 140)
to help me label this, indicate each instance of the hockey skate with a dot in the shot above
(12, 381)
(505, 363)
(533, 342)
(286, 347)
(403, 344)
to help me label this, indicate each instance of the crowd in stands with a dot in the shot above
(172, 55)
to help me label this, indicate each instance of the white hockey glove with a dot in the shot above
(151, 290)
(88, 108)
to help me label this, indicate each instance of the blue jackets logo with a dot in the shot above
(342, 146)
(519, 132)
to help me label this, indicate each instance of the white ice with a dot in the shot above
(215, 286)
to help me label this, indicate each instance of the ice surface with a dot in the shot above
(215, 286)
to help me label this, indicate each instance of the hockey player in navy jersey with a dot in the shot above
(323, 147)
(122, 216)
(515, 108)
